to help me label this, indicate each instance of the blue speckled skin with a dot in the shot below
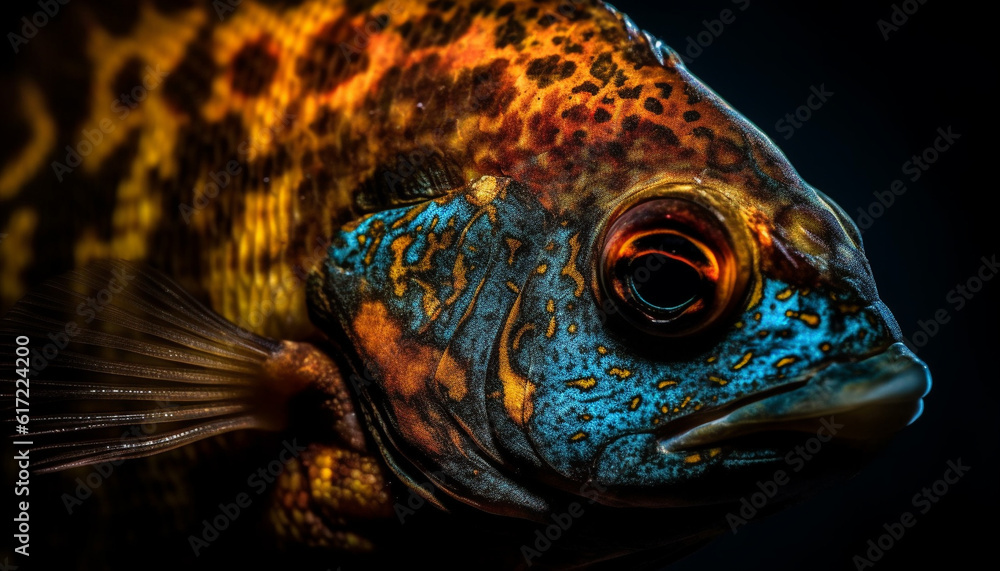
(531, 315)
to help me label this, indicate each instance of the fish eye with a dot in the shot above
(670, 267)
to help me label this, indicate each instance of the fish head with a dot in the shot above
(646, 314)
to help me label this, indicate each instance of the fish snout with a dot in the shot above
(865, 400)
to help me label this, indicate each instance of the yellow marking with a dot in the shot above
(583, 384)
(571, 328)
(810, 319)
(602, 349)
(739, 325)
(786, 294)
(665, 409)
(712, 359)
(825, 347)
(517, 390)
(757, 316)
(763, 333)
(578, 436)
(32, 156)
(570, 269)
(513, 287)
(397, 272)
(805, 292)
(485, 190)
(743, 361)
(718, 380)
(524, 329)
(687, 399)
(849, 308)
(378, 229)
(664, 384)
(586, 417)
(697, 407)
(785, 362)
(410, 216)
(361, 239)
(693, 459)
(16, 253)
(551, 330)
(713, 452)
(460, 280)
(452, 377)
(550, 306)
(620, 373)
(635, 403)
(542, 269)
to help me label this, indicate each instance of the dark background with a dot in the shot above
(889, 99)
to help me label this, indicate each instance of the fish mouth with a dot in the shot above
(860, 401)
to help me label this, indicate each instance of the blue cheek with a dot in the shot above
(597, 391)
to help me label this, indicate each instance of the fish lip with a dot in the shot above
(872, 398)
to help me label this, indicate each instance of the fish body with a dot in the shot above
(522, 253)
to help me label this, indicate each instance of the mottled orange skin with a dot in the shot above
(550, 94)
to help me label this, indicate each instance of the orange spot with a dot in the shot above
(719, 380)
(570, 269)
(452, 377)
(620, 373)
(743, 361)
(517, 390)
(583, 384)
(665, 384)
(578, 436)
(785, 362)
(635, 403)
(520, 332)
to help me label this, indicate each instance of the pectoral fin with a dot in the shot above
(124, 363)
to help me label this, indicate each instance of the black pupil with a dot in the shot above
(664, 283)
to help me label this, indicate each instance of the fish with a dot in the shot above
(511, 260)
